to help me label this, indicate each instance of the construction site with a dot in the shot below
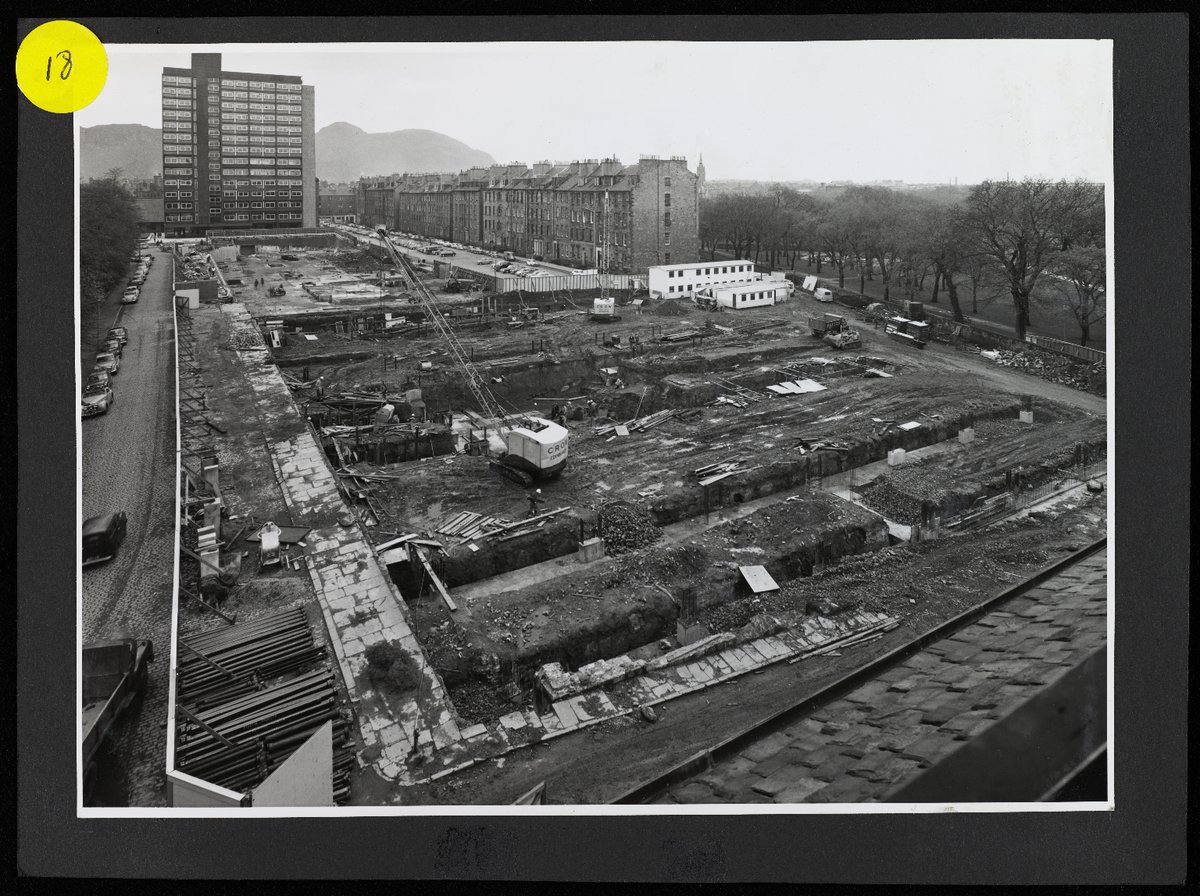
(565, 504)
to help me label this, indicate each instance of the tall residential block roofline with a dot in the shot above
(238, 150)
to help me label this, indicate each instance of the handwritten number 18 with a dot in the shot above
(67, 64)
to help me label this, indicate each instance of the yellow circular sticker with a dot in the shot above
(61, 66)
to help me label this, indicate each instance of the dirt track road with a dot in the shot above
(128, 460)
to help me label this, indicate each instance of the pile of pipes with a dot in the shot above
(681, 335)
(467, 525)
(624, 528)
(710, 473)
(238, 744)
(225, 663)
(740, 396)
(650, 421)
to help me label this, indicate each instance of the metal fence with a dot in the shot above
(564, 281)
(1092, 355)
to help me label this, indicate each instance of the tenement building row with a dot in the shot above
(556, 211)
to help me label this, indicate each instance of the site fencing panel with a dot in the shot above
(565, 281)
(1084, 353)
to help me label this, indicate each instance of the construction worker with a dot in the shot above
(591, 408)
(535, 498)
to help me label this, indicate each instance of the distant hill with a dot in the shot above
(344, 152)
(134, 148)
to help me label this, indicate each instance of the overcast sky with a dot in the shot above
(914, 111)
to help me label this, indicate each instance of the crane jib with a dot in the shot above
(475, 381)
(543, 456)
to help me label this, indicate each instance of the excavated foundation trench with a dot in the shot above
(674, 504)
(602, 614)
(888, 495)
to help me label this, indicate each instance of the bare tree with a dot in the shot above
(833, 239)
(1079, 278)
(1022, 225)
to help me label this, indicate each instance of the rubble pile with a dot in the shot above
(727, 617)
(920, 481)
(479, 701)
(625, 528)
(558, 684)
(1055, 368)
(356, 261)
(669, 308)
(672, 563)
(898, 506)
(246, 337)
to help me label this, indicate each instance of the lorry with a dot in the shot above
(114, 675)
(833, 330)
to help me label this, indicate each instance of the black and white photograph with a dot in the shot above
(538, 427)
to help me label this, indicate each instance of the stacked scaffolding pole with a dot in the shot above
(231, 661)
(265, 728)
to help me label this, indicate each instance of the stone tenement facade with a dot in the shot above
(556, 211)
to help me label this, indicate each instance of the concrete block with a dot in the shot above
(566, 717)
(590, 550)
(966, 436)
(474, 731)
(1026, 416)
(895, 457)
(514, 721)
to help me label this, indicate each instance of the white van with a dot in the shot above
(821, 294)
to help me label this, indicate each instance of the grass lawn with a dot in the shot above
(1049, 315)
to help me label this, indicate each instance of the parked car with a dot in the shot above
(97, 400)
(131, 295)
(500, 265)
(102, 535)
(137, 280)
(112, 345)
(119, 333)
(484, 261)
(446, 253)
(98, 378)
(821, 294)
(108, 361)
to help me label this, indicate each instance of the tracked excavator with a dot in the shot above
(534, 448)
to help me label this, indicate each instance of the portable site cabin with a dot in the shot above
(669, 281)
(745, 295)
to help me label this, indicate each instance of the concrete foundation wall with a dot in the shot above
(677, 504)
(559, 537)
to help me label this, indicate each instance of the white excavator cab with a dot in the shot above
(537, 446)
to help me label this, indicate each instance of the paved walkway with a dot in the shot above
(360, 604)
